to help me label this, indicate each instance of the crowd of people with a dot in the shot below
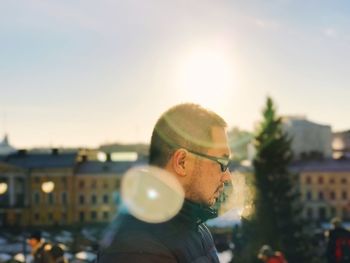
(43, 251)
(337, 246)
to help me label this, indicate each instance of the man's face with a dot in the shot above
(208, 180)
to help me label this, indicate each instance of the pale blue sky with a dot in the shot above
(82, 73)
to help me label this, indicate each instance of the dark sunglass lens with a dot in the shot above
(223, 167)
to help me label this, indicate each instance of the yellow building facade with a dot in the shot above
(59, 188)
(14, 205)
(97, 189)
(325, 189)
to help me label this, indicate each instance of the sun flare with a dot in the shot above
(205, 76)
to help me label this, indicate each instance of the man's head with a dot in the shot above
(336, 222)
(191, 142)
(34, 238)
(265, 252)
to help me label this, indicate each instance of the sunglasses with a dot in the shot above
(224, 162)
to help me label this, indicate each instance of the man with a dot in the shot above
(338, 246)
(40, 249)
(189, 142)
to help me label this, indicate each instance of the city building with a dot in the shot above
(13, 192)
(60, 187)
(50, 179)
(97, 186)
(325, 188)
(309, 140)
(341, 144)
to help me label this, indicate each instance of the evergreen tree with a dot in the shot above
(276, 220)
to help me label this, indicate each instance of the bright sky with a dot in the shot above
(83, 72)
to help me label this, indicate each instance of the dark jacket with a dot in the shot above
(338, 247)
(182, 239)
(42, 254)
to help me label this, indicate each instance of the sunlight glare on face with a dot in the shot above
(151, 194)
(236, 196)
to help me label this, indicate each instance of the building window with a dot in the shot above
(308, 180)
(322, 213)
(105, 185)
(333, 211)
(81, 184)
(320, 180)
(93, 199)
(64, 217)
(344, 195)
(345, 213)
(19, 199)
(4, 199)
(50, 216)
(50, 197)
(93, 184)
(308, 195)
(320, 196)
(64, 181)
(105, 199)
(81, 217)
(18, 218)
(81, 199)
(93, 215)
(64, 198)
(36, 217)
(105, 215)
(36, 179)
(332, 195)
(309, 213)
(36, 198)
(331, 181)
(343, 181)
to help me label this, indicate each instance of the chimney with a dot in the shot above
(108, 157)
(84, 158)
(22, 152)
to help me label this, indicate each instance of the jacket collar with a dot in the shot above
(197, 213)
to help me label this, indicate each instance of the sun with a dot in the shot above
(205, 76)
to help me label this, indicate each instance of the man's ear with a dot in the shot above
(179, 161)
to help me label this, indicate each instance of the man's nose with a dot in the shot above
(226, 176)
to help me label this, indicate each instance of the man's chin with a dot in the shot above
(212, 201)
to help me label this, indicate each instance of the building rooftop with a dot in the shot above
(55, 159)
(95, 167)
(328, 165)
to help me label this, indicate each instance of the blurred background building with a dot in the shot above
(59, 187)
(309, 139)
(341, 144)
(47, 187)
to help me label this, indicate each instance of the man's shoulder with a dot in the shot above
(136, 247)
(134, 238)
